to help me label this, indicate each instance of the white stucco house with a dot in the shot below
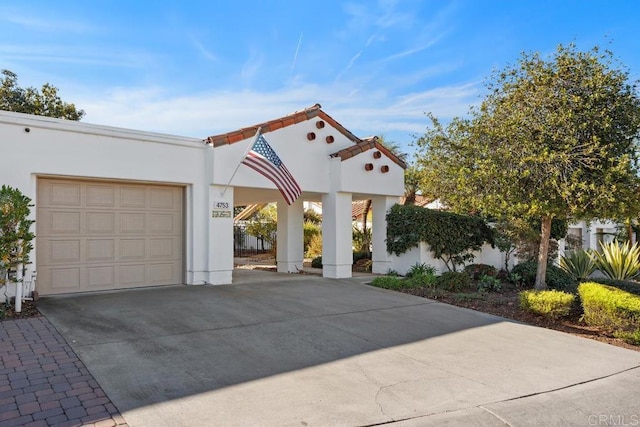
(118, 208)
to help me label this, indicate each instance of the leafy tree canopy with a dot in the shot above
(553, 138)
(30, 100)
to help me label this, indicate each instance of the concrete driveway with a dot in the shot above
(304, 351)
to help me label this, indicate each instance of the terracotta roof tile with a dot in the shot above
(365, 145)
(361, 145)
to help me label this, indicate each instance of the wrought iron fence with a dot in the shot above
(245, 244)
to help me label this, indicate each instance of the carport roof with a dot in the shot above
(361, 145)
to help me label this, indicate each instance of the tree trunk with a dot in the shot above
(365, 214)
(543, 254)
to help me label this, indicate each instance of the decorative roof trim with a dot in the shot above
(298, 117)
(366, 145)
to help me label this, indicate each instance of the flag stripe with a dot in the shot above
(274, 174)
(264, 160)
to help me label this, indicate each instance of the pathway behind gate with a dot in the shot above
(301, 350)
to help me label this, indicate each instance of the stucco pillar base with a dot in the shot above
(336, 271)
(289, 266)
(223, 277)
(381, 267)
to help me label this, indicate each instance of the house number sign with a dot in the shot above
(221, 209)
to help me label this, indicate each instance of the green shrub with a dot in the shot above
(476, 271)
(427, 279)
(556, 278)
(315, 246)
(393, 273)
(489, 284)
(454, 281)
(551, 304)
(316, 262)
(389, 282)
(626, 285)
(609, 308)
(579, 265)
(310, 230)
(420, 270)
(618, 260)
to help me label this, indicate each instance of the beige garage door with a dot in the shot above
(94, 235)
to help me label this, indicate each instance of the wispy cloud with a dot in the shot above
(107, 56)
(222, 111)
(47, 24)
(206, 53)
(295, 56)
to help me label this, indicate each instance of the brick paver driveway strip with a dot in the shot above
(43, 383)
(299, 350)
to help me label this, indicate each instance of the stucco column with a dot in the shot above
(381, 259)
(337, 237)
(220, 258)
(290, 250)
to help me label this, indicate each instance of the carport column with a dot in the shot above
(220, 215)
(290, 237)
(337, 237)
(380, 257)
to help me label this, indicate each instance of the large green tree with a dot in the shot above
(554, 137)
(30, 100)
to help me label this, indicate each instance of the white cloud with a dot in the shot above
(223, 111)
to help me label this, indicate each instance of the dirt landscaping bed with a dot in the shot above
(505, 304)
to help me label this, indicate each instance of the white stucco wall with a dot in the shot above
(60, 148)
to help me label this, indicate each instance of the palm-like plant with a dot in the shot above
(619, 261)
(579, 265)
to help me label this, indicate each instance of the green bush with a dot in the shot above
(454, 281)
(556, 278)
(316, 262)
(389, 282)
(618, 260)
(551, 304)
(579, 265)
(420, 270)
(315, 246)
(609, 308)
(626, 285)
(427, 279)
(489, 284)
(476, 271)
(310, 230)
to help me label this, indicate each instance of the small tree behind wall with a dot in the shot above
(15, 231)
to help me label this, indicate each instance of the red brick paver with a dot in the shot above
(43, 383)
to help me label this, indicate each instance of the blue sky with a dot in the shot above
(198, 68)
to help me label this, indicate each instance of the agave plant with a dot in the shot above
(579, 265)
(619, 261)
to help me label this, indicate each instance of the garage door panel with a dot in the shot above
(101, 277)
(132, 249)
(65, 194)
(133, 223)
(164, 199)
(133, 197)
(100, 222)
(94, 235)
(103, 196)
(164, 248)
(60, 222)
(101, 250)
(64, 279)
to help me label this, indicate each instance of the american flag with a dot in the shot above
(265, 161)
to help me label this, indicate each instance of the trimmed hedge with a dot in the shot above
(552, 303)
(609, 308)
(626, 285)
